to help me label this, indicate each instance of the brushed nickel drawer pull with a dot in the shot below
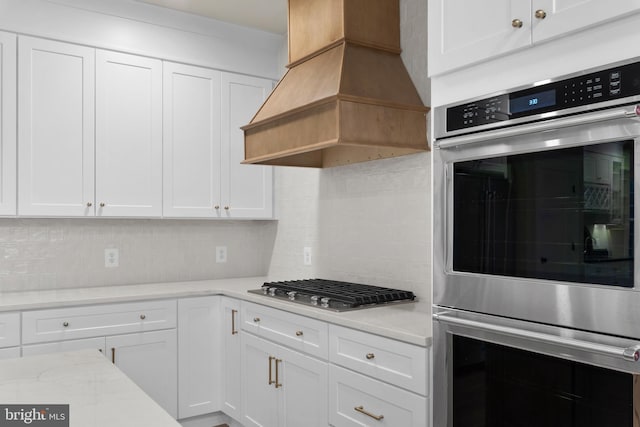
(368, 414)
(233, 322)
(270, 378)
(278, 385)
(113, 355)
(299, 333)
(256, 319)
(370, 356)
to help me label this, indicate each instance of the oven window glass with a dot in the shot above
(564, 214)
(498, 386)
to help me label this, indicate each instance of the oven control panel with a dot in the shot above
(586, 89)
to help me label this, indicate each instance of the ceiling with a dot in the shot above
(266, 15)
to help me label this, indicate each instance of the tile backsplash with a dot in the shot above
(68, 253)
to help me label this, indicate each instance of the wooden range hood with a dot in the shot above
(346, 96)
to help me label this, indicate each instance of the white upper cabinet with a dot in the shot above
(191, 142)
(463, 32)
(7, 124)
(55, 128)
(247, 190)
(128, 135)
(563, 16)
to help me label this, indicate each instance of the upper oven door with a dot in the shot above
(536, 222)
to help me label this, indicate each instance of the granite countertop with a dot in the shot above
(410, 322)
(97, 392)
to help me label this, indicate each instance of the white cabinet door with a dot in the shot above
(198, 356)
(55, 128)
(305, 387)
(8, 141)
(281, 387)
(231, 361)
(150, 360)
(563, 16)
(247, 190)
(260, 400)
(462, 32)
(128, 135)
(191, 142)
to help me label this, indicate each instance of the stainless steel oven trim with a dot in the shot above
(449, 322)
(605, 309)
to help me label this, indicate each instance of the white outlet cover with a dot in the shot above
(221, 254)
(111, 257)
(307, 255)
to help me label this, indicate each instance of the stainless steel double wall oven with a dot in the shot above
(536, 283)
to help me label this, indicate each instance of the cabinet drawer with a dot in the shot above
(298, 332)
(98, 320)
(395, 362)
(9, 329)
(355, 401)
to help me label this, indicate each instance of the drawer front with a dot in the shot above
(9, 329)
(395, 362)
(357, 401)
(298, 332)
(9, 353)
(98, 320)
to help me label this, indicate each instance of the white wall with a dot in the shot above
(368, 222)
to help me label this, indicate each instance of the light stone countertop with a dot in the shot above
(410, 322)
(98, 393)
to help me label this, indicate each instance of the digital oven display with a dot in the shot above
(532, 102)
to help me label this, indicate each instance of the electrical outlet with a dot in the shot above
(221, 254)
(307, 255)
(111, 257)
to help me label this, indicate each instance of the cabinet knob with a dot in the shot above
(370, 356)
(102, 204)
(299, 333)
(65, 324)
(541, 14)
(216, 207)
(142, 317)
(89, 204)
(516, 23)
(256, 319)
(226, 208)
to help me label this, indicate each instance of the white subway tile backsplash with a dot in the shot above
(62, 253)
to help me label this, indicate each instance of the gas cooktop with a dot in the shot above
(333, 295)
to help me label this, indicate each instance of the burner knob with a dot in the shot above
(314, 299)
(324, 302)
(292, 295)
(272, 291)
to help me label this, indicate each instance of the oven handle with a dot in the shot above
(541, 126)
(630, 354)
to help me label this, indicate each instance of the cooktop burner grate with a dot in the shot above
(334, 294)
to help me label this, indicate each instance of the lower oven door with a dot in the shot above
(497, 372)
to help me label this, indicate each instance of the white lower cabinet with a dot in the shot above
(231, 392)
(281, 387)
(198, 356)
(139, 338)
(356, 401)
(150, 360)
(9, 335)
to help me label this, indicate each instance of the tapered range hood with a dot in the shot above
(346, 96)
